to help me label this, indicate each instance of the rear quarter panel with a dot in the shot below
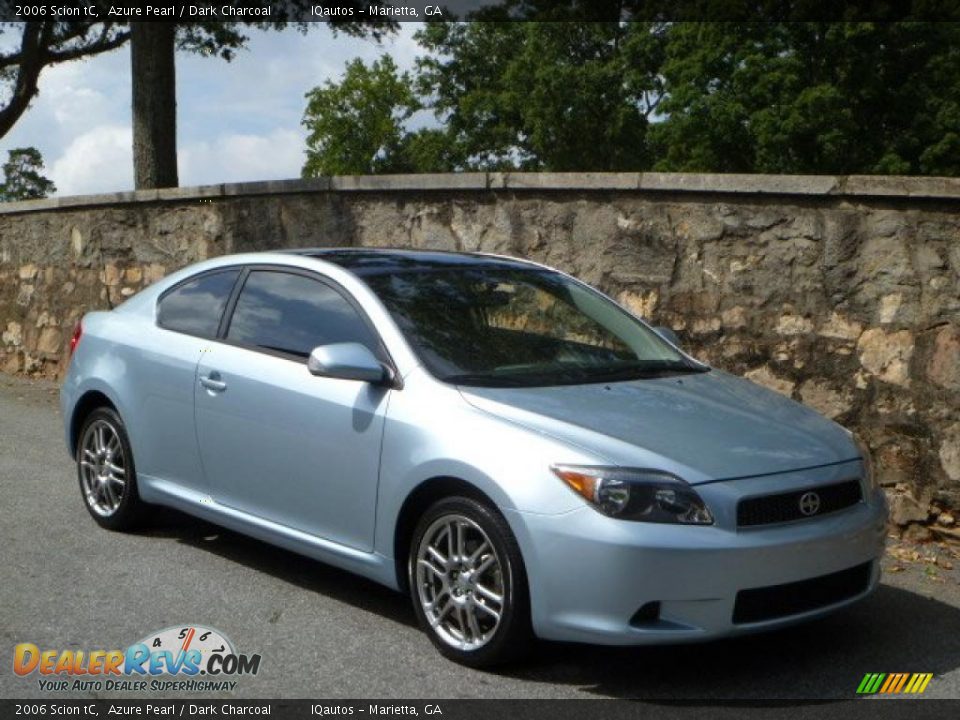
(147, 373)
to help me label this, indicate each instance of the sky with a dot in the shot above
(236, 121)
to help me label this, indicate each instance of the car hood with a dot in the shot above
(705, 426)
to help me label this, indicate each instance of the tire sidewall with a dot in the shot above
(512, 635)
(127, 514)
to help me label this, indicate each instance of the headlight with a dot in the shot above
(639, 495)
(868, 473)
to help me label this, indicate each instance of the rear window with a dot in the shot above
(196, 306)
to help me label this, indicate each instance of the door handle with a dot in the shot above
(213, 382)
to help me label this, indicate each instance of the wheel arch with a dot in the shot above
(88, 402)
(416, 503)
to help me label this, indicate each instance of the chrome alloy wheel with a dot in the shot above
(460, 582)
(102, 468)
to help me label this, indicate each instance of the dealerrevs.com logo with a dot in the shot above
(189, 658)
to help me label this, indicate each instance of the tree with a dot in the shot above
(544, 95)
(41, 45)
(153, 47)
(45, 43)
(532, 96)
(774, 97)
(22, 178)
(811, 98)
(356, 126)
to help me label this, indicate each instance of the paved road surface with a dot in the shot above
(326, 634)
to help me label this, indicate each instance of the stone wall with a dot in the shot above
(843, 293)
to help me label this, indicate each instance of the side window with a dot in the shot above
(294, 314)
(196, 306)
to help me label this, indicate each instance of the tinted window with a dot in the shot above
(505, 326)
(294, 314)
(197, 306)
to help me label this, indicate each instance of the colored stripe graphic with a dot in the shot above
(862, 687)
(891, 680)
(894, 683)
(923, 679)
(900, 682)
(870, 683)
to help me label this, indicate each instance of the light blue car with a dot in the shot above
(504, 443)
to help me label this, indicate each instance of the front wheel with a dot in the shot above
(108, 479)
(468, 583)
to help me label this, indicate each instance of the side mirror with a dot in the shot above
(347, 361)
(668, 334)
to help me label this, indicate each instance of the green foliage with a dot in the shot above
(799, 97)
(357, 126)
(535, 96)
(429, 150)
(544, 95)
(811, 98)
(22, 178)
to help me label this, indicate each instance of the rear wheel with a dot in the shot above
(105, 469)
(468, 583)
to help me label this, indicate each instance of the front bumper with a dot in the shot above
(589, 574)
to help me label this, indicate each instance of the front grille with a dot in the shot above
(776, 601)
(784, 507)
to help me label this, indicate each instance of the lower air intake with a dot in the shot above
(777, 601)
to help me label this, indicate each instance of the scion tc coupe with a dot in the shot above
(509, 446)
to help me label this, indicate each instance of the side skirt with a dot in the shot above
(373, 565)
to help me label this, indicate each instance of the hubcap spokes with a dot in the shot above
(102, 468)
(460, 582)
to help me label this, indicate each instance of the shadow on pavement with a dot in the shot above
(892, 631)
(290, 567)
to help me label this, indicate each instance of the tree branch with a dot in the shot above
(37, 50)
(35, 37)
(101, 45)
(17, 57)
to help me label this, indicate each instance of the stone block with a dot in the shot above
(887, 355)
(765, 376)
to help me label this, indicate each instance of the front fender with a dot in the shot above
(432, 432)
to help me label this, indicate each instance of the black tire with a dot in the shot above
(129, 512)
(511, 636)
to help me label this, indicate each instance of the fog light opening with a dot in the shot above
(648, 614)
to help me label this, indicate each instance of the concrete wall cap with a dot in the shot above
(943, 188)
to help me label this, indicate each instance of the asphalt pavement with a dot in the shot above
(323, 633)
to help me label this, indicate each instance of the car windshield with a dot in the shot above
(502, 326)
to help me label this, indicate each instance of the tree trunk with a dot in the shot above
(154, 104)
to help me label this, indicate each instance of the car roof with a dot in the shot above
(379, 261)
(350, 262)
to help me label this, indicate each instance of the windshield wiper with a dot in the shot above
(652, 368)
(575, 375)
(487, 380)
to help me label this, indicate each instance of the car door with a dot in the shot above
(188, 317)
(276, 441)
